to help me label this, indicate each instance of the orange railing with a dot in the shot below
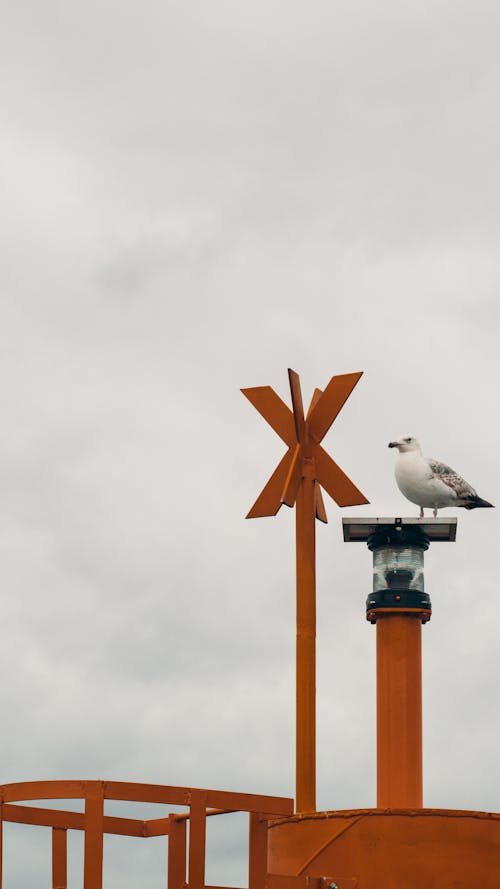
(186, 852)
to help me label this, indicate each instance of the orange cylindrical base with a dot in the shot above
(399, 711)
(374, 849)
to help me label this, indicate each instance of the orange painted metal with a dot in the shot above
(201, 803)
(296, 481)
(269, 500)
(257, 862)
(177, 852)
(285, 881)
(393, 849)
(294, 430)
(399, 711)
(274, 410)
(94, 827)
(59, 859)
(197, 842)
(320, 506)
(1, 839)
(59, 818)
(305, 760)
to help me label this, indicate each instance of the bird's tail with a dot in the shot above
(475, 502)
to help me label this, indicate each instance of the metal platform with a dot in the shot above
(361, 529)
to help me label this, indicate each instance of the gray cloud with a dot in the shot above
(194, 198)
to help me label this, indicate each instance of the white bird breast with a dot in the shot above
(417, 483)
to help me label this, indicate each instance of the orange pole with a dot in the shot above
(176, 853)
(197, 843)
(399, 711)
(306, 646)
(93, 843)
(257, 851)
(59, 858)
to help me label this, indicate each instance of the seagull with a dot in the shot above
(430, 483)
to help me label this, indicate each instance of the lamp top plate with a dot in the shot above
(360, 529)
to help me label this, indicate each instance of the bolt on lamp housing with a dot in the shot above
(398, 547)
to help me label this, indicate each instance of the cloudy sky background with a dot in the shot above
(195, 196)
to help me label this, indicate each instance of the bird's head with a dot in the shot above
(405, 444)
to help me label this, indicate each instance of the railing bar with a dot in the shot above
(70, 820)
(184, 816)
(155, 793)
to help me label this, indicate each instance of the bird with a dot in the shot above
(430, 483)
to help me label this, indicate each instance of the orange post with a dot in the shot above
(297, 481)
(59, 858)
(176, 853)
(94, 825)
(197, 842)
(306, 648)
(1, 840)
(257, 851)
(399, 711)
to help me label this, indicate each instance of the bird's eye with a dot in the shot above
(408, 439)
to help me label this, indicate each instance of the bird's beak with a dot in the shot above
(392, 444)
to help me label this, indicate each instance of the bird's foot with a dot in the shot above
(421, 512)
(434, 513)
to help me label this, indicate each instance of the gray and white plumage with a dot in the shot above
(430, 483)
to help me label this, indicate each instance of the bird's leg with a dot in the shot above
(435, 512)
(421, 512)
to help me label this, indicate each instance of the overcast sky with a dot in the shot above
(195, 196)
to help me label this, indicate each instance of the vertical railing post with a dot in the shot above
(59, 858)
(94, 823)
(257, 851)
(197, 841)
(176, 853)
(1, 840)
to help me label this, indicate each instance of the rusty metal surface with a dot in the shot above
(297, 481)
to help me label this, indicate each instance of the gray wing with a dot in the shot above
(454, 481)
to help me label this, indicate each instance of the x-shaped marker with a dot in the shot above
(305, 457)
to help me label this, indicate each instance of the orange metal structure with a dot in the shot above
(390, 849)
(399, 710)
(186, 851)
(399, 844)
(296, 482)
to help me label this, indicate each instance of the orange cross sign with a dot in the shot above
(296, 481)
(305, 457)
